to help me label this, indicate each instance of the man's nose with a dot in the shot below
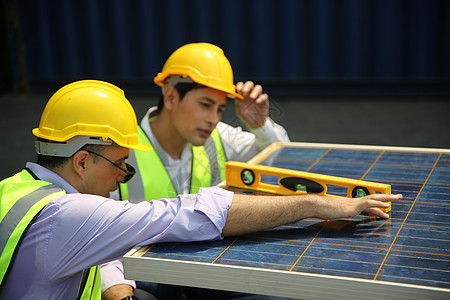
(213, 117)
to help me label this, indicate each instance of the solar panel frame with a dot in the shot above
(405, 257)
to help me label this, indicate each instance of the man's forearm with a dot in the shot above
(249, 213)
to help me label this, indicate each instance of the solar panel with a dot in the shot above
(404, 257)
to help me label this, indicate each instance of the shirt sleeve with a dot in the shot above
(242, 145)
(111, 274)
(85, 230)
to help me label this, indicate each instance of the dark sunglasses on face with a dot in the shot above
(130, 171)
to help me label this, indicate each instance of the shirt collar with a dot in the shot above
(47, 175)
(165, 158)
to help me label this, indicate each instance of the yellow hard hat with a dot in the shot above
(204, 63)
(88, 111)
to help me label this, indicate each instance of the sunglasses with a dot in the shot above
(130, 171)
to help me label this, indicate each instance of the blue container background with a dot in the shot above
(284, 43)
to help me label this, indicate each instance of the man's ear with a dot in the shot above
(79, 161)
(170, 96)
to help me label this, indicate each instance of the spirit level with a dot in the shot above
(248, 176)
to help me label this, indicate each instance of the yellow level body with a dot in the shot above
(248, 176)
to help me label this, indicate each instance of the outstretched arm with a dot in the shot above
(249, 213)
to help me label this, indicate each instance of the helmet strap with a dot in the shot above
(173, 80)
(69, 147)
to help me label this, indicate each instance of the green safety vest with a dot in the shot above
(21, 200)
(152, 180)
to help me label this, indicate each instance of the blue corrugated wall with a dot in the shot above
(285, 41)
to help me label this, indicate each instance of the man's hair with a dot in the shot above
(56, 162)
(182, 88)
(51, 162)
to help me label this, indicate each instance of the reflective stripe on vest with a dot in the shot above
(92, 288)
(208, 163)
(152, 180)
(22, 198)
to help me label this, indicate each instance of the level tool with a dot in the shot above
(248, 176)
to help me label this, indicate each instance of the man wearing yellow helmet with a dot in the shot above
(191, 144)
(57, 224)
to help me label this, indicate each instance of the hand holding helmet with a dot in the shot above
(254, 108)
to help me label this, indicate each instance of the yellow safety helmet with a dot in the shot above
(204, 63)
(87, 112)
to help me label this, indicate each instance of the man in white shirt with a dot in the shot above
(190, 143)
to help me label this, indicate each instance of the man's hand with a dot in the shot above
(342, 207)
(117, 292)
(254, 108)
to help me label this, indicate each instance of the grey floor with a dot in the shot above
(388, 122)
